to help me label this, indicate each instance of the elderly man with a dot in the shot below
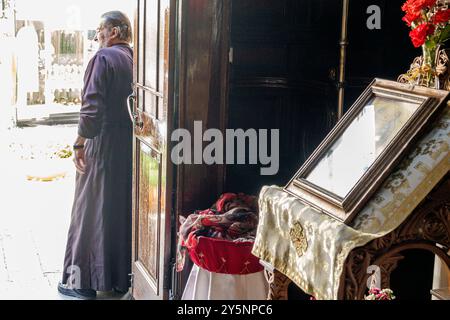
(98, 253)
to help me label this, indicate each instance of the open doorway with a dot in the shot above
(44, 49)
(47, 55)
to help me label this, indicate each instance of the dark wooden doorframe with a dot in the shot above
(201, 47)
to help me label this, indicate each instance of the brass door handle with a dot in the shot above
(130, 101)
(134, 116)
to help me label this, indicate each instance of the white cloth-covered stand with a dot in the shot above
(205, 285)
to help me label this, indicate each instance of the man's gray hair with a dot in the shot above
(119, 20)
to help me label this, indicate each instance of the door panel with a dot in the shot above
(149, 193)
(163, 57)
(151, 101)
(151, 43)
(139, 49)
(151, 214)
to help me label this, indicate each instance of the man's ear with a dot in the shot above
(115, 33)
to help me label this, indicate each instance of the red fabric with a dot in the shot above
(220, 239)
(223, 256)
(227, 197)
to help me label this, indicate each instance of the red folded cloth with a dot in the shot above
(220, 239)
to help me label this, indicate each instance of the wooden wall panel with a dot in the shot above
(203, 94)
(283, 54)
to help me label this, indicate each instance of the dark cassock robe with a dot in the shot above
(98, 252)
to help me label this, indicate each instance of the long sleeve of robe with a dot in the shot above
(98, 252)
(94, 97)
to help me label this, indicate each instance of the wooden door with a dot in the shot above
(151, 165)
(283, 66)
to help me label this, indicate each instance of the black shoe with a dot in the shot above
(118, 291)
(84, 294)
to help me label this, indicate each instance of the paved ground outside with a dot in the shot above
(36, 194)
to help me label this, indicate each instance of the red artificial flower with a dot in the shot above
(406, 5)
(374, 291)
(415, 6)
(420, 33)
(410, 17)
(442, 16)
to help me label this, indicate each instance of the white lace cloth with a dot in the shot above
(205, 285)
